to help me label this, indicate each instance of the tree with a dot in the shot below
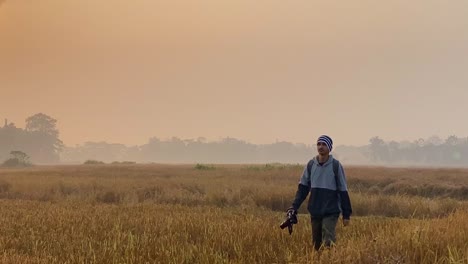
(393, 151)
(20, 156)
(452, 140)
(11, 138)
(378, 149)
(45, 144)
(17, 159)
(42, 123)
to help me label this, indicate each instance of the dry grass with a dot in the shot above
(225, 214)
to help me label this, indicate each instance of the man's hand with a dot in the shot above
(346, 222)
(291, 211)
(291, 214)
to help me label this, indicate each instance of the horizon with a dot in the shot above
(212, 140)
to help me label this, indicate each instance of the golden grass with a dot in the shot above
(229, 214)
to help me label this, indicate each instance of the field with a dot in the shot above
(224, 214)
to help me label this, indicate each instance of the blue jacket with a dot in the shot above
(327, 197)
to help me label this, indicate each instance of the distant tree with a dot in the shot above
(452, 140)
(42, 123)
(20, 156)
(17, 159)
(420, 142)
(44, 142)
(393, 149)
(378, 149)
(11, 138)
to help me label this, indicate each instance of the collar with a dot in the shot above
(330, 160)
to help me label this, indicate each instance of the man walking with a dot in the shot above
(325, 179)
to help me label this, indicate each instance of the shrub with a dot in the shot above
(18, 159)
(204, 167)
(93, 162)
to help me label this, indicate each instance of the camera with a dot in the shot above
(291, 219)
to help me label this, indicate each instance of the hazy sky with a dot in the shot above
(124, 71)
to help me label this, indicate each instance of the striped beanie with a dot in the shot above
(327, 140)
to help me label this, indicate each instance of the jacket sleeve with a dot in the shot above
(303, 188)
(343, 191)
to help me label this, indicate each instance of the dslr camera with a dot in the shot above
(290, 220)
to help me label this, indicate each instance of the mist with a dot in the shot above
(261, 73)
(40, 142)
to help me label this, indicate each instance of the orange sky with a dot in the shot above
(124, 71)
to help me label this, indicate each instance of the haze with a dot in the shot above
(124, 71)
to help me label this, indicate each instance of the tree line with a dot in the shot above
(39, 143)
(39, 139)
(176, 150)
(433, 151)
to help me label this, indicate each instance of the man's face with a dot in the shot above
(322, 148)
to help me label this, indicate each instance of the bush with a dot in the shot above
(18, 159)
(13, 162)
(204, 167)
(93, 162)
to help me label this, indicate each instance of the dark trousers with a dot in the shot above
(323, 231)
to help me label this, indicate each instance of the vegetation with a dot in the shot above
(17, 159)
(204, 167)
(40, 139)
(433, 151)
(181, 214)
(93, 162)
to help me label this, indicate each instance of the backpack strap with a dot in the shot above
(336, 166)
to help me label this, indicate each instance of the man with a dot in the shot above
(325, 179)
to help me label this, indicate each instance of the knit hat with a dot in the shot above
(327, 140)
